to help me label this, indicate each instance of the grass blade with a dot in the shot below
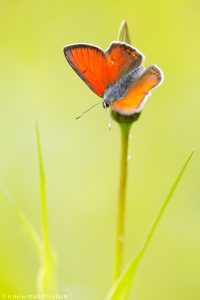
(47, 279)
(23, 220)
(122, 287)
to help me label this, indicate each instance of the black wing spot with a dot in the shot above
(84, 71)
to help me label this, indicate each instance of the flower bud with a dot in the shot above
(123, 34)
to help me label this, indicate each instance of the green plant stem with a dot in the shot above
(121, 288)
(119, 239)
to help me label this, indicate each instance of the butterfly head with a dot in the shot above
(105, 104)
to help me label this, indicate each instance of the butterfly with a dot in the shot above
(116, 75)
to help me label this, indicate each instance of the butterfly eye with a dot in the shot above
(105, 104)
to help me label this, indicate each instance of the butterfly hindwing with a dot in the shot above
(89, 62)
(139, 91)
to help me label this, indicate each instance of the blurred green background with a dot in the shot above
(81, 158)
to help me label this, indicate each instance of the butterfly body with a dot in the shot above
(116, 75)
(120, 88)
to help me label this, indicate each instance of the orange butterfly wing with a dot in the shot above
(121, 58)
(98, 69)
(138, 93)
(89, 62)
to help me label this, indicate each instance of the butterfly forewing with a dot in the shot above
(89, 62)
(121, 58)
(139, 91)
(99, 69)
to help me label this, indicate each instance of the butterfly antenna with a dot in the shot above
(108, 119)
(87, 110)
